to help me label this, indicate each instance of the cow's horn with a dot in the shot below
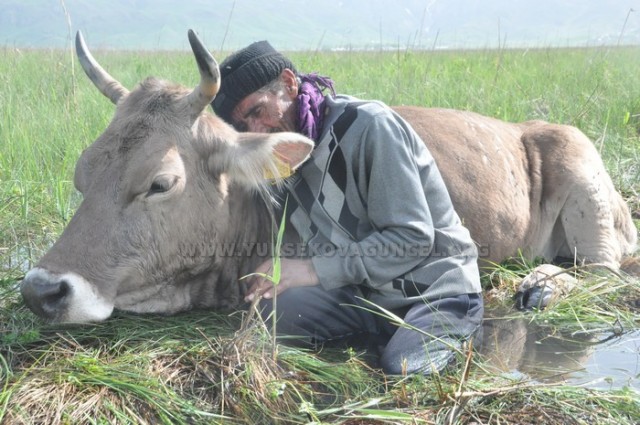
(202, 95)
(107, 85)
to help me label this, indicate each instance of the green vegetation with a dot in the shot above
(214, 368)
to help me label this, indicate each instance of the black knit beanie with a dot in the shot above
(246, 71)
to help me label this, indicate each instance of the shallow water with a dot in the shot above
(520, 349)
(613, 364)
(16, 260)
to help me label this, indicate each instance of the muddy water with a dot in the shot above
(520, 349)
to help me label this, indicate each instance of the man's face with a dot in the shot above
(268, 111)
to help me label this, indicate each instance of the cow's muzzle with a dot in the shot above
(66, 297)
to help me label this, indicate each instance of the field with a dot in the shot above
(205, 367)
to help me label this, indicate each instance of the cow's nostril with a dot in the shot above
(55, 297)
(47, 298)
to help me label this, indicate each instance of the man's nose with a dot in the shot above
(258, 127)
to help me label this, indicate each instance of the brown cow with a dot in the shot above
(162, 178)
(534, 186)
(168, 184)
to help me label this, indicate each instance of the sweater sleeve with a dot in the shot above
(396, 165)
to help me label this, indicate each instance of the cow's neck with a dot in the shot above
(245, 241)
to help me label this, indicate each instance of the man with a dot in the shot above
(372, 212)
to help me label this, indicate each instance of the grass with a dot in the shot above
(205, 367)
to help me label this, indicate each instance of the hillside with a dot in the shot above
(330, 24)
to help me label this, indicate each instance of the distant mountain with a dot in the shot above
(321, 24)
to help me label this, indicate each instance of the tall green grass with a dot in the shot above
(197, 368)
(49, 111)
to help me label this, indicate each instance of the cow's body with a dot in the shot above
(167, 186)
(536, 187)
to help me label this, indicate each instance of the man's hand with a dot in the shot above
(293, 273)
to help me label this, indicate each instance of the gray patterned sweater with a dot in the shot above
(372, 209)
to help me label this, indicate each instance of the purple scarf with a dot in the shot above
(311, 104)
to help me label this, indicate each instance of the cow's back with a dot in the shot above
(536, 188)
(487, 173)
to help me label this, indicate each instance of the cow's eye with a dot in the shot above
(161, 184)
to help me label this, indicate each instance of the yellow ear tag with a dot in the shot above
(284, 170)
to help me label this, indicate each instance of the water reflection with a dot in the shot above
(519, 348)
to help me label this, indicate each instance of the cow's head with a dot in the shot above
(165, 176)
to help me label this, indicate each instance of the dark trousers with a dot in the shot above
(433, 331)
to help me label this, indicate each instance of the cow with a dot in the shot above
(168, 176)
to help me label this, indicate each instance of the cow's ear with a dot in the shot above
(257, 157)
